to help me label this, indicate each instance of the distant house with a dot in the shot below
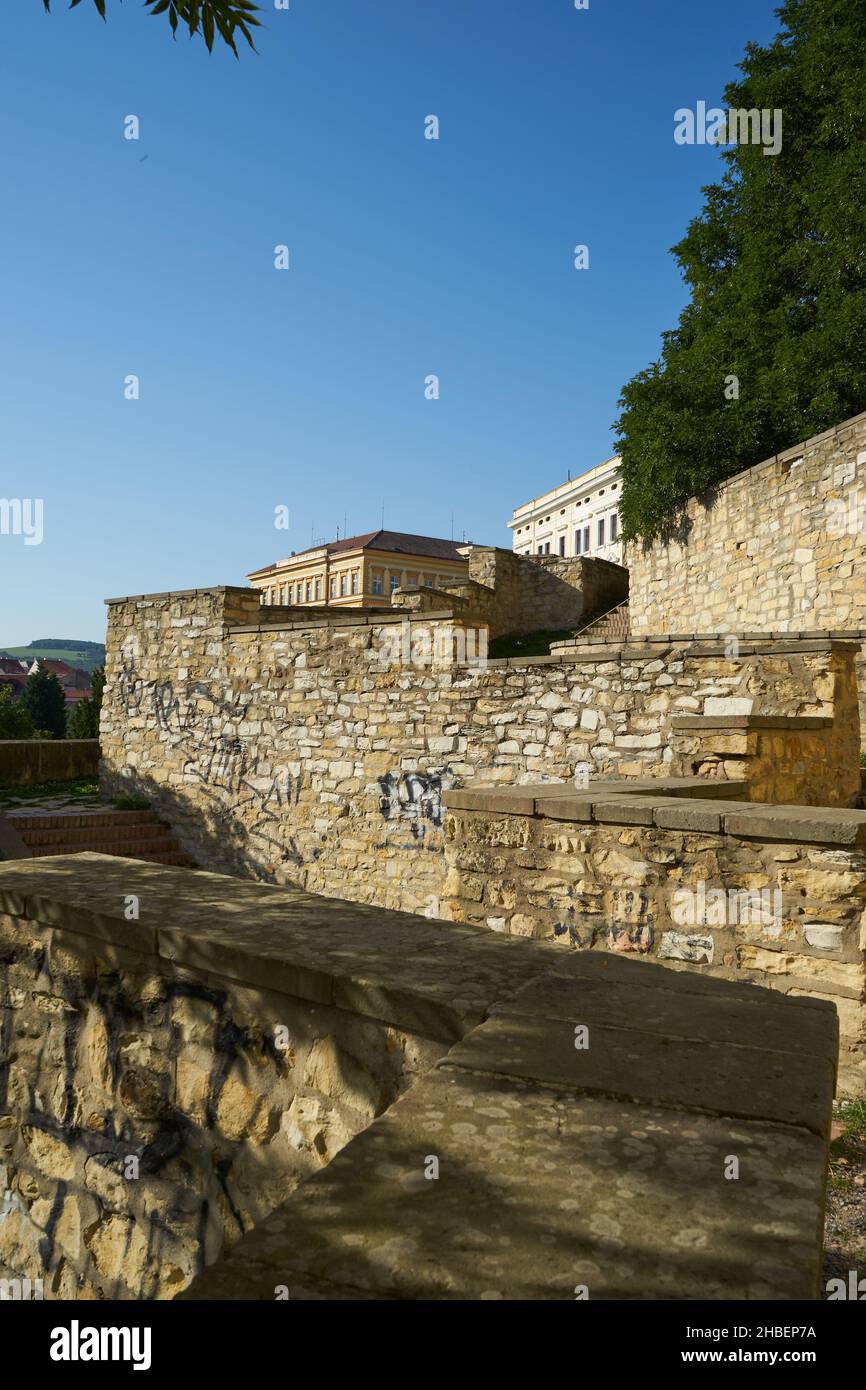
(75, 682)
(13, 674)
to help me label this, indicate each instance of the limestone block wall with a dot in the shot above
(161, 1093)
(295, 753)
(780, 547)
(775, 896)
(520, 594)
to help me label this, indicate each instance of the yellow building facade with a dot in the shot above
(361, 571)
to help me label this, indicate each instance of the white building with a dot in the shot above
(580, 517)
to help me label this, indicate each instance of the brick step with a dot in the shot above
(615, 623)
(128, 845)
(93, 835)
(124, 834)
(174, 856)
(22, 820)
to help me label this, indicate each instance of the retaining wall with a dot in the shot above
(775, 896)
(168, 1078)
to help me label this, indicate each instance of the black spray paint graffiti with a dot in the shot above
(415, 797)
(209, 730)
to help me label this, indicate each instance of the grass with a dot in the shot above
(131, 803)
(530, 644)
(848, 1152)
(37, 791)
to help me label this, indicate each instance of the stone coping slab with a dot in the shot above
(431, 977)
(637, 647)
(522, 800)
(750, 820)
(540, 1195)
(559, 1165)
(751, 721)
(601, 1166)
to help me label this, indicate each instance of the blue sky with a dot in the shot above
(305, 388)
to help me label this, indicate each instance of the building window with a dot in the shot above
(318, 590)
(601, 530)
(354, 581)
(562, 545)
(309, 590)
(333, 588)
(586, 540)
(541, 550)
(377, 583)
(428, 583)
(342, 586)
(577, 541)
(547, 548)
(395, 582)
(614, 526)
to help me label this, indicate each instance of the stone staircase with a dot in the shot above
(132, 834)
(612, 626)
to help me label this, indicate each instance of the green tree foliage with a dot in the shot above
(15, 722)
(205, 17)
(45, 702)
(776, 267)
(84, 718)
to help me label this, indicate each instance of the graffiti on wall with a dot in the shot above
(235, 772)
(415, 797)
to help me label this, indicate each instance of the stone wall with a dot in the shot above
(23, 761)
(293, 752)
(780, 547)
(174, 1081)
(163, 1082)
(775, 896)
(515, 594)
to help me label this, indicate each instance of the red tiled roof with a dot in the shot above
(400, 542)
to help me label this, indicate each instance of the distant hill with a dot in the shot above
(85, 655)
